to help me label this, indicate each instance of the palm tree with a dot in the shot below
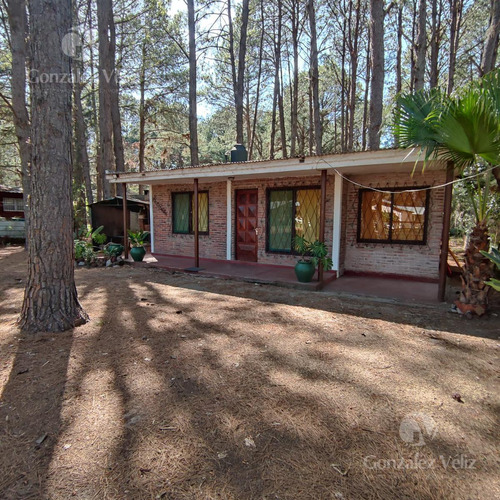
(465, 130)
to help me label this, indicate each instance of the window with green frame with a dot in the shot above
(292, 212)
(183, 212)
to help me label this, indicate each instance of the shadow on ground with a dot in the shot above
(244, 392)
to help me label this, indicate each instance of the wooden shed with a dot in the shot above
(109, 213)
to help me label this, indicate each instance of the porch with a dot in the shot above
(398, 290)
(253, 272)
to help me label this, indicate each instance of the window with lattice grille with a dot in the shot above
(292, 212)
(397, 217)
(183, 212)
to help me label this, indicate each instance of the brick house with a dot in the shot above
(378, 218)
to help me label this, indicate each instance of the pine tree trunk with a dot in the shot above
(50, 300)
(456, 18)
(238, 71)
(377, 70)
(142, 112)
(420, 46)
(281, 107)
(114, 96)
(314, 75)
(93, 100)
(193, 113)
(105, 76)
(81, 176)
(239, 91)
(16, 11)
(259, 76)
(435, 42)
(295, 85)
(366, 94)
(477, 269)
(490, 48)
(353, 53)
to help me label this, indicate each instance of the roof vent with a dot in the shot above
(239, 153)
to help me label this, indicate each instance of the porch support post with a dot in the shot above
(229, 213)
(125, 220)
(337, 223)
(445, 235)
(151, 226)
(322, 217)
(196, 223)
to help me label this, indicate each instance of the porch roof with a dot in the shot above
(388, 160)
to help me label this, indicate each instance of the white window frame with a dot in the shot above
(13, 204)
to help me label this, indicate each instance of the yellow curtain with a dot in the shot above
(307, 213)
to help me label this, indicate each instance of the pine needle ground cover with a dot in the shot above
(186, 387)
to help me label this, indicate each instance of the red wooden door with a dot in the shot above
(246, 225)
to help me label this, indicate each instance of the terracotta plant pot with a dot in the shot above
(137, 253)
(304, 271)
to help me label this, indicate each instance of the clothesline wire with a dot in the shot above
(415, 190)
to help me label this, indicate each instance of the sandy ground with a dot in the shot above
(184, 387)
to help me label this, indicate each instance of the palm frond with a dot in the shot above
(416, 121)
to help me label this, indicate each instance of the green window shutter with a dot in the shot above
(181, 211)
(280, 220)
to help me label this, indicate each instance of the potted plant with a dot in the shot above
(137, 240)
(311, 255)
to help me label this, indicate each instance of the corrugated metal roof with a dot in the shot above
(250, 162)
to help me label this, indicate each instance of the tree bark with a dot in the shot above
(142, 112)
(95, 116)
(435, 43)
(353, 55)
(50, 299)
(343, 110)
(294, 12)
(238, 72)
(281, 108)
(314, 75)
(272, 137)
(193, 113)
(420, 47)
(259, 76)
(377, 71)
(490, 48)
(105, 116)
(477, 270)
(16, 11)
(114, 88)
(399, 79)
(456, 18)
(366, 93)
(81, 175)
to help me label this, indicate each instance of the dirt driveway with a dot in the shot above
(191, 388)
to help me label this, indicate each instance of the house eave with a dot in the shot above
(393, 160)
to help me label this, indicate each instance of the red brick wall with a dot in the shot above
(213, 245)
(421, 261)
